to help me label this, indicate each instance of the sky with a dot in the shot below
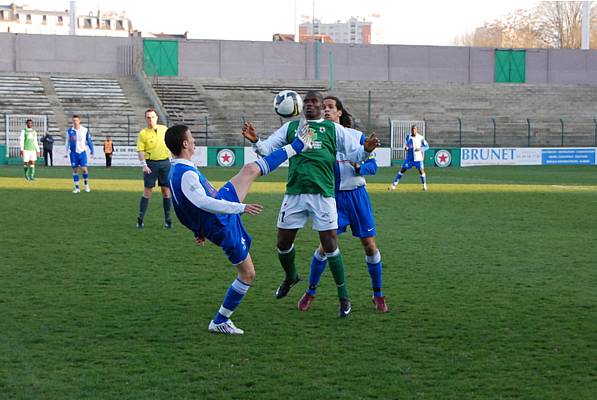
(432, 22)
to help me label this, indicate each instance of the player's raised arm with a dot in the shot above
(276, 140)
(350, 145)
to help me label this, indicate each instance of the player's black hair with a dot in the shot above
(174, 137)
(412, 128)
(346, 117)
(29, 120)
(151, 110)
(76, 116)
(314, 93)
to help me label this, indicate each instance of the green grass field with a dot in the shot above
(491, 279)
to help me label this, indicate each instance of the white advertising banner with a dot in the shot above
(475, 156)
(124, 156)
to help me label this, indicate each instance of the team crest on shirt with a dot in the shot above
(316, 144)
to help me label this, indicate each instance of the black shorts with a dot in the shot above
(159, 171)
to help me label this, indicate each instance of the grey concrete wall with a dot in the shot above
(67, 54)
(287, 60)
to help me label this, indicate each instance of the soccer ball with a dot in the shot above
(288, 104)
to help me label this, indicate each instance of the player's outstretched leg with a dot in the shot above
(318, 264)
(424, 180)
(244, 179)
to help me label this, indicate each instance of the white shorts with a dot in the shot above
(29, 155)
(296, 209)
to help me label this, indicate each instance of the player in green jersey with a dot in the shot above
(310, 188)
(29, 149)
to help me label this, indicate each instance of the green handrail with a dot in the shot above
(206, 130)
(494, 131)
(459, 132)
(528, 132)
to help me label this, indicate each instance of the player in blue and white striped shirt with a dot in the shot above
(415, 146)
(77, 137)
(215, 214)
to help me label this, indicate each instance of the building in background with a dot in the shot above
(21, 19)
(355, 30)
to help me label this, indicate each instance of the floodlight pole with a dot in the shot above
(585, 25)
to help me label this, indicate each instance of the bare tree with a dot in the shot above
(560, 23)
(551, 24)
(466, 39)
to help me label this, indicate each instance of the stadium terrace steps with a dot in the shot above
(184, 104)
(232, 102)
(102, 104)
(441, 104)
(228, 103)
(24, 94)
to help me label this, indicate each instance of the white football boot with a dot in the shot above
(227, 328)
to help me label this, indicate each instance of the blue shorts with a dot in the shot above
(78, 159)
(231, 236)
(354, 209)
(408, 164)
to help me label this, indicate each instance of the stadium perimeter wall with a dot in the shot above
(291, 61)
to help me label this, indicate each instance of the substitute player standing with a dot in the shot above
(77, 137)
(354, 209)
(215, 215)
(29, 149)
(415, 146)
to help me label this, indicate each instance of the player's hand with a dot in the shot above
(249, 132)
(356, 166)
(146, 169)
(418, 149)
(253, 209)
(21, 153)
(371, 143)
(200, 240)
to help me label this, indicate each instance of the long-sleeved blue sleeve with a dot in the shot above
(368, 167)
(89, 142)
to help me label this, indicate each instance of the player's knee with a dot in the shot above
(370, 248)
(247, 275)
(250, 170)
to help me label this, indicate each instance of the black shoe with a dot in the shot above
(168, 224)
(284, 288)
(140, 224)
(345, 308)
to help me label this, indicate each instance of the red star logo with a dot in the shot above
(226, 157)
(443, 158)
